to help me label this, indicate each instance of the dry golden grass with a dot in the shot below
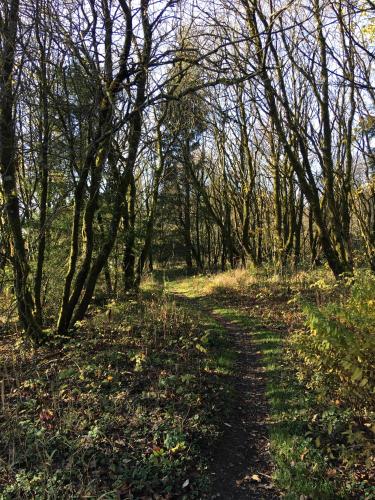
(238, 280)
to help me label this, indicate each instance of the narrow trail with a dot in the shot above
(241, 465)
(241, 462)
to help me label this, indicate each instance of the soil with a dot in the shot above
(241, 462)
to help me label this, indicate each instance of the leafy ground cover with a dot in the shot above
(120, 410)
(131, 404)
(316, 340)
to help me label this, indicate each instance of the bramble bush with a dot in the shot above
(335, 357)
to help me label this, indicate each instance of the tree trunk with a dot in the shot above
(44, 174)
(8, 167)
(129, 234)
(146, 250)
(187, 227)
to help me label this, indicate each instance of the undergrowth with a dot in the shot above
(118, 411)
(334, 357)
(316, 337)
(127, 406)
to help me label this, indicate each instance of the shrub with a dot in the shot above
(335, 357)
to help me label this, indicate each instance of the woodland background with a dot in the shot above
(140, 136)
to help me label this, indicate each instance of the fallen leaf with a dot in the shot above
(46, 415)
(186, 483)
(256, 478)
(331, 472)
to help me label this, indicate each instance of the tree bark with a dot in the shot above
(8, 167)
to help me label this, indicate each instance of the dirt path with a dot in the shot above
(240, 462)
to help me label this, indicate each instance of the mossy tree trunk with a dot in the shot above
(8, 167)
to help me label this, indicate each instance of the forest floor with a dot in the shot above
(184, 391)
(270, 444)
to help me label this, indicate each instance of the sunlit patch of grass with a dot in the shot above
(192, 287)
(238, 280)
